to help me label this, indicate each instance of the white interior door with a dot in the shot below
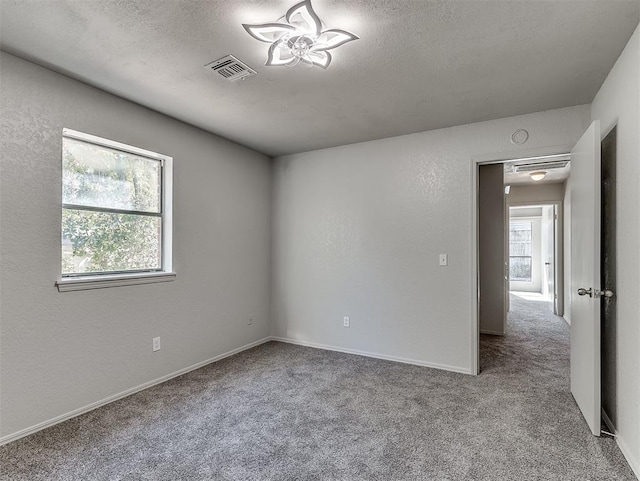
(585, 275)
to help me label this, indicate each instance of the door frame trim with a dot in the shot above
(475, 162)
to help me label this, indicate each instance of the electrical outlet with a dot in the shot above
(444, 259)
(250, 322)
(346, 322)
(156, 343)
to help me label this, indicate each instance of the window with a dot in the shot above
(520, 251)
(116, 216)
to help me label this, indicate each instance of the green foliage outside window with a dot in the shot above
(100, 183)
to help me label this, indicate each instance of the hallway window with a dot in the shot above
(520, 251)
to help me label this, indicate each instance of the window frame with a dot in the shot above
(530, 224)
(99, 280)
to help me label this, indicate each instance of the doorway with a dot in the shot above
(592, 273)
(535, 253)
(510, 182)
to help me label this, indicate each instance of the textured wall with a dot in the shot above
(492, 302)
(358, 230)
(618, 103)
(63, 351)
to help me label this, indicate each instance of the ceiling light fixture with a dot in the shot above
(299, 37)
(538, 175)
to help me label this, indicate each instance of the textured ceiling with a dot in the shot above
(419, 64)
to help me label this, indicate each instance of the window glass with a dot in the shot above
(112, 216)
(98, 176)
(108, 242)
(520, 251)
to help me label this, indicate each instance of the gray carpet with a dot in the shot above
(284, 412)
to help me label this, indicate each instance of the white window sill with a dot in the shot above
(100, 282)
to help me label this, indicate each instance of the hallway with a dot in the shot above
(535, 339)
(530, 368)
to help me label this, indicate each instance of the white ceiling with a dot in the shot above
(418, 65)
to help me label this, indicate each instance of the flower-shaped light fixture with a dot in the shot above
(299, 37)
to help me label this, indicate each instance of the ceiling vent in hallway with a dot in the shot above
(231, 68)
(557, 164)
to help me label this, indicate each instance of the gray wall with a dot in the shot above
(566, 231)
(63, 351)
(535, 194)
(525, 212)
(491, 249)
(358, 230)
(618, 103)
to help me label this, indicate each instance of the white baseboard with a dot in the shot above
(567, 319)
(77, 412)
(633, 463)
(629, 455)
(372, 354)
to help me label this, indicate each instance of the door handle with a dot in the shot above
(590, 292)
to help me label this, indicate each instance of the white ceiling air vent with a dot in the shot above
(231, 68)
(556, 164)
